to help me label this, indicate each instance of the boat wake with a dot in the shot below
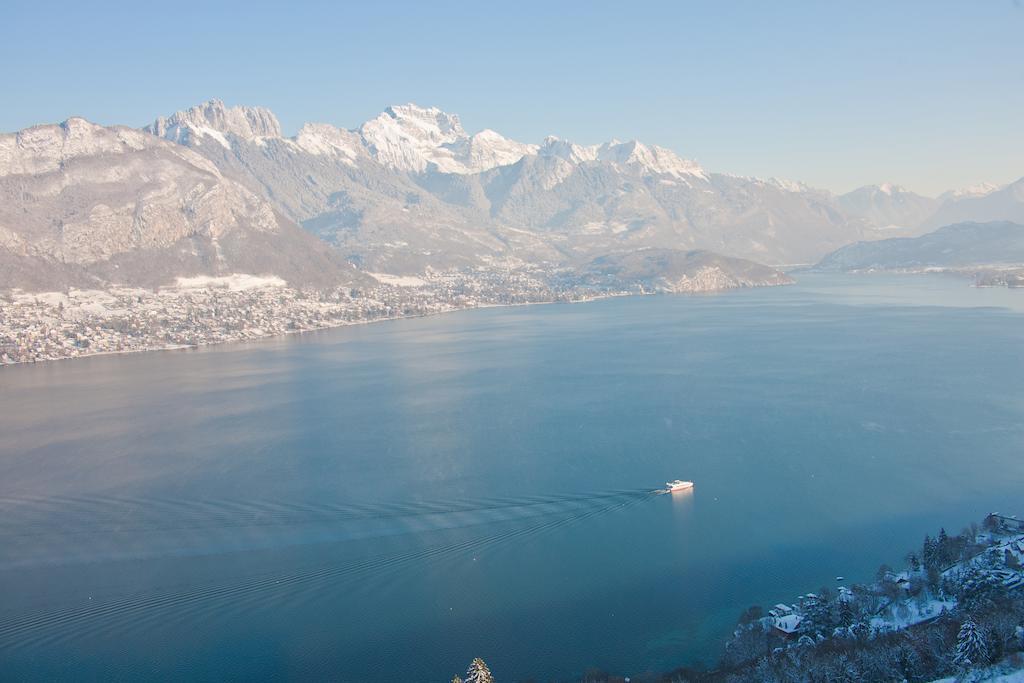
(505, 522)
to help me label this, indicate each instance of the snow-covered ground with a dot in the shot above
(236, 282)
(398, 280)
(993, 674)
(910, 612)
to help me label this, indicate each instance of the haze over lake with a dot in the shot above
(393, 499)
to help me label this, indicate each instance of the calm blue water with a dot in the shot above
(391, 500)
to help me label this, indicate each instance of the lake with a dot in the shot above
(385, 502)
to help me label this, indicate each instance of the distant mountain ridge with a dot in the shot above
(984, 204)
(962, 245)
(889, 206)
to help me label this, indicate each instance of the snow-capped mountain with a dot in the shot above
(629, 156)
(212, 120)
(976, 190)
(416, 139)
(411, 188)
(92, 205)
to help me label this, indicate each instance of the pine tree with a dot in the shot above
(817, 615)
(478, 672)
(928, 553)
(845, 613)
(913, 562)
(942, 548)
(970, 646)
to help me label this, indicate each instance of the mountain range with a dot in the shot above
(995, 244)
(216, 189)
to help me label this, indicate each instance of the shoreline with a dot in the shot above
(348, 323)
(454, 309)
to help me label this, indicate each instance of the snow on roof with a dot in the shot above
(788, 623)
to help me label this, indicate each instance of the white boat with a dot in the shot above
(679, 485)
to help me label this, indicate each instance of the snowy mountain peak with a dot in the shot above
(787, 185)
(891, 189)
(410, 138)
(651, 158)
(488, 149)
(633, 155)
(420, 122)
(212, 119)
(324, 139)
(976, 190)
(563, 149)
(883, 192)
(417, 139)
(488, 134)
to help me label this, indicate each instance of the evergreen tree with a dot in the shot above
(928, 553)
(845, 613)
(817, 614)
(942, 548)
(478, 672)
(934, 578)
(970, 646)
(913, 562)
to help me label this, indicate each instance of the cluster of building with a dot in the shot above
(998, 562)
(998, 277)
(51, 325)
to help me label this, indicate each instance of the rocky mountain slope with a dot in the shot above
(88, 205)
(412, 189)
(963, 245)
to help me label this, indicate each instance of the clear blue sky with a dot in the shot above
(837, 94)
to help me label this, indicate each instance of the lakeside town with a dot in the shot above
(201, 311)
